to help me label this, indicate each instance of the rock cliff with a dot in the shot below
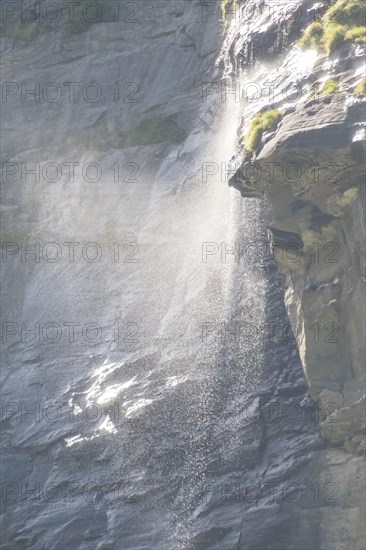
(123, 95)
(311, 172)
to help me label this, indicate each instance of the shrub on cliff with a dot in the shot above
(356, 34)
(346, 12)
(330, 87)
(260, 123)
(340, 23)
(333, 36)
(312, 36)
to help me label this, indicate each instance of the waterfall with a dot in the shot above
(198, 308)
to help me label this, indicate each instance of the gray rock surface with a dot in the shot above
(311, 171)
(204, 451)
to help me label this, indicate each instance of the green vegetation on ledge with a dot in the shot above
(260, 123)
(330, 87)
(360, 89)
(356, 34)
(340, 23)
(312, 36)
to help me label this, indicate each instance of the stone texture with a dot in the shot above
(315, 192)
(168, 53)
(311, 172)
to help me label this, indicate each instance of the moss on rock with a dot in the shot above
(261, 122)
(360, 89)
(330, 87)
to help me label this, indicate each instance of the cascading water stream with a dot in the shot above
(200, 364)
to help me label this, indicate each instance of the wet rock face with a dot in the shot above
(325, 273)
(317, 235)
(147, 82)
(159, 56)
(311, 171)
(261, 30)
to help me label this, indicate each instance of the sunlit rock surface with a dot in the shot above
(312, 172)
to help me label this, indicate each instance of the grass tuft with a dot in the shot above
(330, 87)
(312, 36)
(346, 12)
(340, 23)
(261, 122)
(333, 36)
(356, 34)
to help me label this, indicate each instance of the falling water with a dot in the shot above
(172, 386)
(198, 365)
